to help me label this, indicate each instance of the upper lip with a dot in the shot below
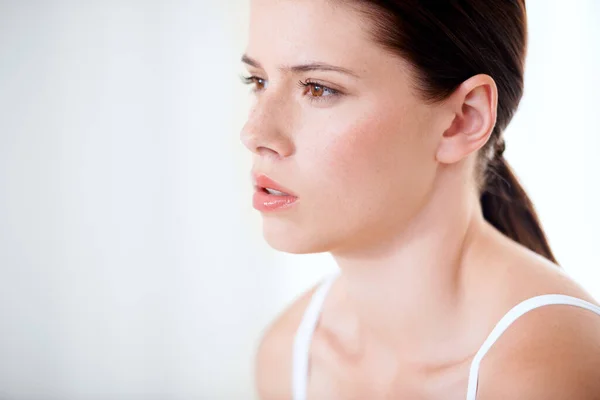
(262, 181)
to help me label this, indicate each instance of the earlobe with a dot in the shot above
(474, 109)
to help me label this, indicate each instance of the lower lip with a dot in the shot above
(264, 201)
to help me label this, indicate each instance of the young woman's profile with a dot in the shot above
(377, 136)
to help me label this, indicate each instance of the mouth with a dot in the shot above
(267, 185)
(272, 192)
(271, 196)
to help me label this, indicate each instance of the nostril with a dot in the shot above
(267, 152)
(262, 144)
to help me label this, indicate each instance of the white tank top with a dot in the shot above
(309, 321)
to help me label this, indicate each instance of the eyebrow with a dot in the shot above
(314, 66)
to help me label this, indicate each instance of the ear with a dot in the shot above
(473, 105)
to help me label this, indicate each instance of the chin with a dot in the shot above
(293, 240)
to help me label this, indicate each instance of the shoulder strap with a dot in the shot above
(510, 317)
(304, 336)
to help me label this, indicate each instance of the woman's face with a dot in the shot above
(357, 148)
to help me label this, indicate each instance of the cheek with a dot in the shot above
(373, 159)
(360, 177)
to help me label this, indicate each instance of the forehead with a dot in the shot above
(295, 31)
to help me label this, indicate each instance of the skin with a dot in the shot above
(386, 184)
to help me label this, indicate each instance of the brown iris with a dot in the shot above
(316, 90)
(260, 83)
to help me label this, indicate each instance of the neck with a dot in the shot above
(408, 286)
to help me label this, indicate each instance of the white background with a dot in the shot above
(131, 261)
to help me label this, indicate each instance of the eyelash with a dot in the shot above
(248, 80)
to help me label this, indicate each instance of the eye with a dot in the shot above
(259, 83)
(318, 91)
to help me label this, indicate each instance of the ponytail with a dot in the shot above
(508, 208)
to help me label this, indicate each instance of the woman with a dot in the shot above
(377, 136)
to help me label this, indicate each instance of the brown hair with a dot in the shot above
(449, 41)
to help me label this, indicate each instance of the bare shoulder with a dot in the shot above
(273, 360)
(551, 352)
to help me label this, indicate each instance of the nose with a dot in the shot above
(265, 132)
